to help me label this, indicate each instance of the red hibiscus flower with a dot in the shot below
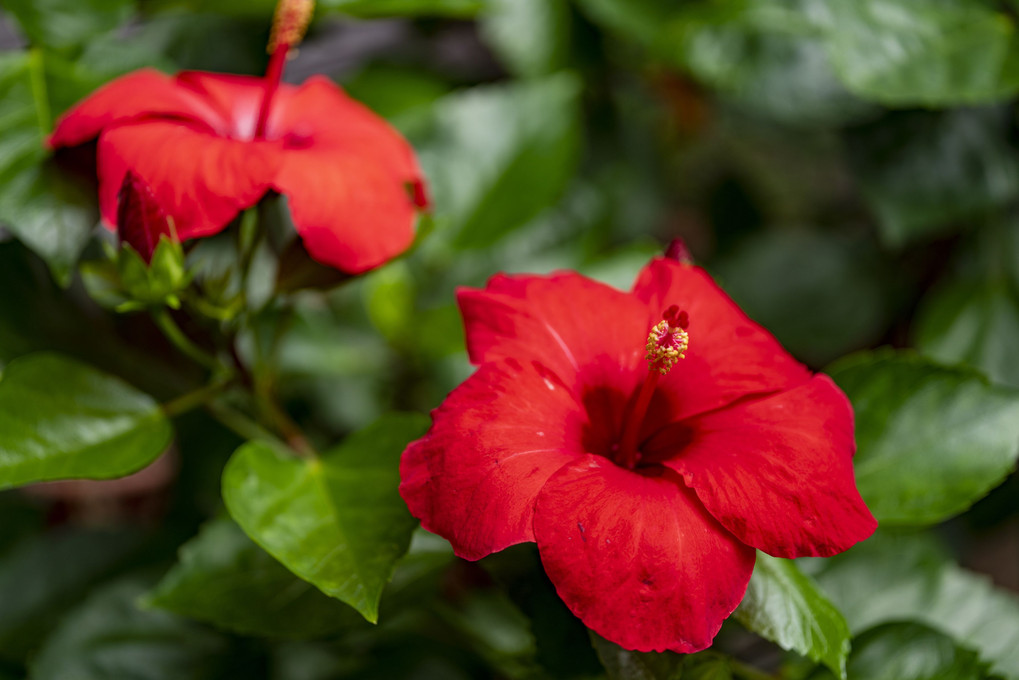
(646, 489)
(210, 145)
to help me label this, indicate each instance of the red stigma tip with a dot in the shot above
(676, 318)
(668, 340)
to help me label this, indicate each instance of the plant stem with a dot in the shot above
(192, 400)
(243, 426)
(290, 430)
(181, 341)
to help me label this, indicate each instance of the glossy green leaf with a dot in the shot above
(65, 23)
(486, 185)
(530, 36)
(45, 210)
(623, 664)
(787, 78)
(841, 305)
(61, 419)
(225, 579)
(923, 172)
(496, 629)
(973, 321)
(785, 606)
(381, 8)
(922, 52)
(337, 521)
(975, 325)
(931, 440)
(28, 288)
(44, 575)
(892, 577)
(768, 57)
(896, 52)
(110, 636)
(263, 9)
(911, 651)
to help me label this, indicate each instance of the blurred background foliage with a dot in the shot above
(849, 171)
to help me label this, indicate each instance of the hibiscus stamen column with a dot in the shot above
(666, 344)
(288, 27)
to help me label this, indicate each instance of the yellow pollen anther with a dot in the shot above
(290, 22)
(666, 344)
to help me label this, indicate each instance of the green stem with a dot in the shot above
(243, 426)
(37, 82)
(182, 342)
(192, 400)
(286, 426)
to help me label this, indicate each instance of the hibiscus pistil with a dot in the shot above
(288, 26)
(666, 344)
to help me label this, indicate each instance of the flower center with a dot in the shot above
(288, 25)
(666, 345)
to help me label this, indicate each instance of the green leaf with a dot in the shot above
(769, 57)
(28, 288)
(337, 521)
(66, 23)
(896, 52)
(924, 171)
(225, 579)
(909, 577)
(530, 36)
(42, 576)
(923, 52)
(109, 636)
(496, 629)
(383, 8)
(785, 606)
(787, 78)
(485, 185)
(910, 651)
(841, 302)
(46, 211)
(931, 440)
(623, 664)
(974, 324)
(61, 419)
(972, 315)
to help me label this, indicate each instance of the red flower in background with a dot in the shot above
(646, 489)
(210, 145)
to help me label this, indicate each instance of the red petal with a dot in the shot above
(141, 221)
(319, 113)
(496, 439)
(352, 181)
(351, 212)
(200, 179)
(235, 99)
(567, 321)
(142, 94)
(778, 471)
(729, 356)
(589, 334)
(637, 558)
